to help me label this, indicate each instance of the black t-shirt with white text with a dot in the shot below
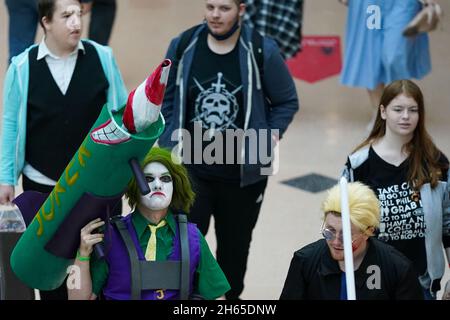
(402, 223)
(214, 101)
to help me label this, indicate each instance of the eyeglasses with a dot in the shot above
(330, 235)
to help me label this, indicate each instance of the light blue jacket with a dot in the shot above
(436, 210)
(15, 96)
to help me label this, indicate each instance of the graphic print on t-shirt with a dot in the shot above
(216, 107)
(401, 213)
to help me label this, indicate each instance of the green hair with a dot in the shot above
(363, 205)
(183, 196)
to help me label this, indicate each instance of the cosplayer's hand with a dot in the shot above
(446, 294)
(6, 194)
(88, 240)
(345, 2)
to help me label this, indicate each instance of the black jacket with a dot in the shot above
(315, 275)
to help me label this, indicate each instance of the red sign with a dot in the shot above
(320, 58)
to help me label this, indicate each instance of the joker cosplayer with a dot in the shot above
(90, 186)
(152, 253)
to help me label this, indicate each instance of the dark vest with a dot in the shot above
(118, 285)
(57, 124)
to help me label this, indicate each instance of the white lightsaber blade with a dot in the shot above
(347, 234)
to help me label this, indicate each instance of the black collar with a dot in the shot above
(328, 266)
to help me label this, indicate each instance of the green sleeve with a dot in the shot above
(211, 282)
(99, 275)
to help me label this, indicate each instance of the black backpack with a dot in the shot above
(257, 41)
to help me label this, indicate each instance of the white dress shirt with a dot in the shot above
(61, 68)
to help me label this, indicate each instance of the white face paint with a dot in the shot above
(64, 30)
(73, 17)
(161, 186)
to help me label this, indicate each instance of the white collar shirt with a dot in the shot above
(61, 68)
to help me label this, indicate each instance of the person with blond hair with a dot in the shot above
(317, 271)
(409, 175)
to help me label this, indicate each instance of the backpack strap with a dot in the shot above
(185, 256)
(257, 41)
(134, 258)
(185, 39)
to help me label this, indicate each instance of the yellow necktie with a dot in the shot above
(150, 252)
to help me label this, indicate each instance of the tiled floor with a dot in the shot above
(332, 120)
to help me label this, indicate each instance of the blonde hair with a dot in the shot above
(363, 205)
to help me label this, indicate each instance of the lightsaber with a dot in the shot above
(347, 234)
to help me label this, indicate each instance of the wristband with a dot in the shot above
(81, 258)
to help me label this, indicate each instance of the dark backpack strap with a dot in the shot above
(185, 256)
(185, 39)
(257, 42)
(134, 258)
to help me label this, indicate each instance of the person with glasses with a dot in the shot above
(317, 271)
